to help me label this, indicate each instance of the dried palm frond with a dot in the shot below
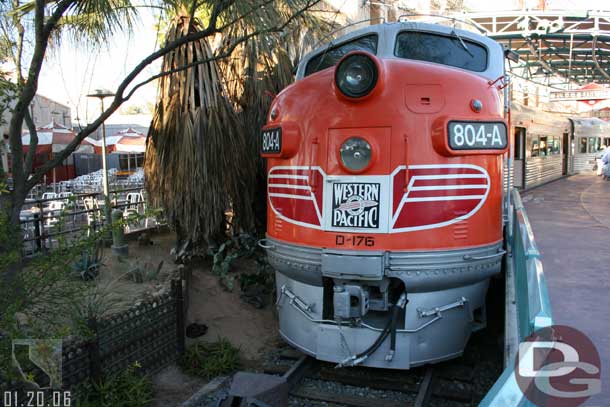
(197, 162)
(256, 71)
(203, 145)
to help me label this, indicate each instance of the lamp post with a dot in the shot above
(101, 94)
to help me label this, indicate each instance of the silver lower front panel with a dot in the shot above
(421, 271)
(426, 337)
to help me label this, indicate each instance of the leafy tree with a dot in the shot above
(37, 25)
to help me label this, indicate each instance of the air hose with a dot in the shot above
(392, 351)
(390, 327)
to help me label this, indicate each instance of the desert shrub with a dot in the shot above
(241, 245)
(210, 359)
(130, 388)
(50, 296)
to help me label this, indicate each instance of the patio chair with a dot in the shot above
(55, 209)
(49, 195)
(134, 201)
(93, 213)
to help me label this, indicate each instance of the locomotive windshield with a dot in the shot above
(441, 49)
(331, 56)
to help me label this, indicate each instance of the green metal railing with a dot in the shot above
(532, 301)
(533, 305)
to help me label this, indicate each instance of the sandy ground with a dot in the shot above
(252, 330)
(114, 283)
(172, 387)
(226, 315)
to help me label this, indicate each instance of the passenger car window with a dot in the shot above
(535, 148)
(441, 49)
(330, 57)
(592, 147)
(543, 146)
(583, 145)
(556, 145)
(598, 144)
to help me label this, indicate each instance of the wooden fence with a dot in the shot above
(151, 334)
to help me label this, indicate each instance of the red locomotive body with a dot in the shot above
(385, 194)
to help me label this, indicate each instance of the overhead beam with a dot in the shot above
(542, 62)
(599, 68)
(570, 45)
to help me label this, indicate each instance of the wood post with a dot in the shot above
(180, 317)
(95, 360)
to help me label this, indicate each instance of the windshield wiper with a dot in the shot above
(456, 35)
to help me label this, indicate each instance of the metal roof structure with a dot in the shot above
(556, 48)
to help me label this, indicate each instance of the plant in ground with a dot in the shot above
(242, 245)
(129, 388)
(258, 288)
(210, 359)
(53, 301)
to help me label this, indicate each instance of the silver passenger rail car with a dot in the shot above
(589, 136)
(541, 146)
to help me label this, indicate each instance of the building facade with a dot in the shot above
(43, 110)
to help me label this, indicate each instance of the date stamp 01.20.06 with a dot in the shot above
(37, 398)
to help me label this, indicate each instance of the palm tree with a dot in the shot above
(202, 153)
(196, 166)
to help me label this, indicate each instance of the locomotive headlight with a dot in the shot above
(355, 153)
(356, 75)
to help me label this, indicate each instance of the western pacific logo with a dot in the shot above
(356, 205)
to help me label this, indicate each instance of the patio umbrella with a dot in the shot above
(130, 141)
(53, 138)
(124, 141)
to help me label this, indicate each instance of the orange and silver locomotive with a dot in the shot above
(385, 194)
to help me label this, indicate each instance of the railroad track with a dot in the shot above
(316, 383)
(461, 382)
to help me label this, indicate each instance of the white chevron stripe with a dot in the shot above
(449, 176)
(303, 197)
(289, 176)
(446, 187)
(444, 198)
(307, 187)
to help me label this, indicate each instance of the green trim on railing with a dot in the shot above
(533, 304)
(506, 392)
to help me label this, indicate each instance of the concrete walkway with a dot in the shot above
(571, 223)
